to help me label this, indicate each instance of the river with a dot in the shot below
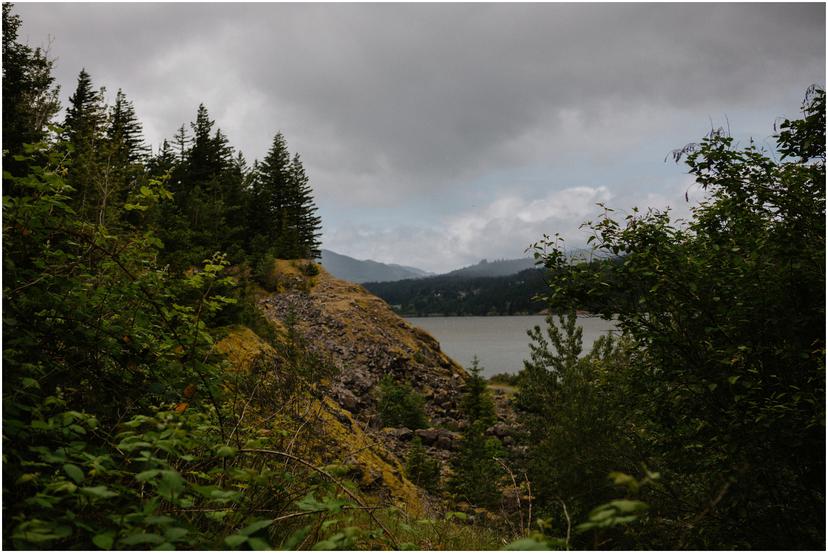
(500, 343)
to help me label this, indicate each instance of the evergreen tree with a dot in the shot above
(420, 468)
(308, 223)
(125, 153)
(84, 128)
(572, 432)
(282, 215)
(400, 405)
(30, 100)
(163, 162)
(182, 142)
(207, 214)
(476, 471)
(125, 131)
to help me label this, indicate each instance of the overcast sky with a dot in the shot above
(439, 134)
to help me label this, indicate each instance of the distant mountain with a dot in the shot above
(498, 268)
(355, 270)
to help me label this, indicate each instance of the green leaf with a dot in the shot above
(622, 479)
(175, 534)
(297, 537)
(226, 451)
(629, 505)
(98, 492)
(235, 540)
(159, 519)
(39, 531)
(74, 472)
(143, 476)
(105, 540)
(170, 485)
(255, 527)
(258, 544)
(142, 538)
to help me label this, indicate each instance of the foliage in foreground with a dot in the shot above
(720, 384)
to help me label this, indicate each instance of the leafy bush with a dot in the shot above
(507, 379)
(726, 319)
(309, 269)
(400, 405)
(572, 413)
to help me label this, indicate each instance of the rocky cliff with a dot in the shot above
(360, 337)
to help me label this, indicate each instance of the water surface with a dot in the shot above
(500, 343)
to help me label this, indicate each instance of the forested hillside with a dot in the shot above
(464, 295)
(178, 372)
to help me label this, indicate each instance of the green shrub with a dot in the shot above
(400, 405)
(421, 469)
(309, 269)
(506, 379)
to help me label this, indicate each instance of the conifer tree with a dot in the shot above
(208, 211)
(30, 99)
(308, 223)
(163, 162)
(476, 471)
(84, 129)
(420, 468)
(125, 131)
(282, 215)
(182, 142)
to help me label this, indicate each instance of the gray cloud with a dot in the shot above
(395, 104)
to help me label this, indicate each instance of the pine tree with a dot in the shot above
(476, 471)
(209, 197)
(307, 221)
(182, 142)
(163, 162)
(30, 100)
(420, 468)
(282, 216)
(84, 129)
(125, 131)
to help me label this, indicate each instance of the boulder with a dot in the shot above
(438, 437)
(403, 433)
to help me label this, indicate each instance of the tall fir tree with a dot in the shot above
(282, 215)
(210, 196)
(30, 99)
(308, 223)
(84, 129)
(125, 131)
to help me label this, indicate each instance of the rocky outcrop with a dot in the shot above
(365, 340)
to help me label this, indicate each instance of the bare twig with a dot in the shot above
(517, 493)
(244, 410)
(568, 523)
(704, 513)
(529, 495)
(301, 426)
(333, 479)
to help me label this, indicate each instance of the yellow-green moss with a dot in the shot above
(242, 346)
(365, 452)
